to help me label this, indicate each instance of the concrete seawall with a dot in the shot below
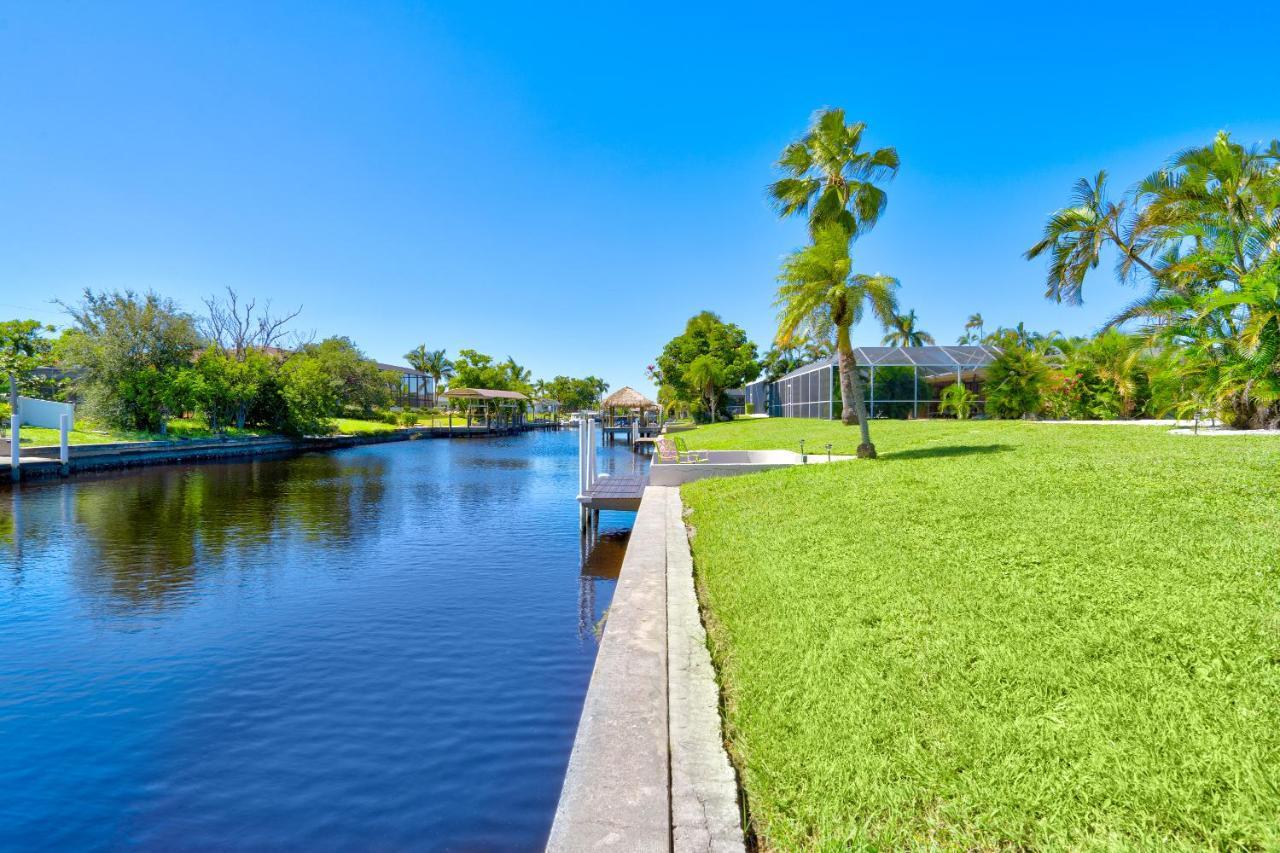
(648, 770)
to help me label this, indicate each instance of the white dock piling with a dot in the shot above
(15, 454)
(64, 443)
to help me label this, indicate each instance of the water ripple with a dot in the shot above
(382, 648)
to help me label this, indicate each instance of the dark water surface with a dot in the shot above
(381, 648)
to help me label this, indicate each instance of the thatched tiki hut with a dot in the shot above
(627, 402)
(506, 408)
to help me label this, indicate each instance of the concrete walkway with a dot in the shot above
(648, 770)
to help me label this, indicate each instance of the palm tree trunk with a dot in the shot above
(854, 404)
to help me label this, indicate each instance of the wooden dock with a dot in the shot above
(616, 492)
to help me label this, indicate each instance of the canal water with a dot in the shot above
(382, 648)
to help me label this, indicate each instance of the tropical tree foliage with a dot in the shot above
(782, 359)
(724, 356)
(972, 330)
(830, 179)
(1015, 383)
(128, 352)
(903, 332)
(1201, 236)
(818, 286)
(433, 363)
(23, 347)
(575, 395)
(957, 400)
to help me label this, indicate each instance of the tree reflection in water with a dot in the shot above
(151, 537)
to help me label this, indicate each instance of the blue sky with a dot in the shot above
(568, 183)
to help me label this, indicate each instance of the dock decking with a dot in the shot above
(618, 492)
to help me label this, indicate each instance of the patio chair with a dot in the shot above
(666, 450)
(687, 455)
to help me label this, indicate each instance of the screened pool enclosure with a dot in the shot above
(899, 382)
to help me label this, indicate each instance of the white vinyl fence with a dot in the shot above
(44, 413)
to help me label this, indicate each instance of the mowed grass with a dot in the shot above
(358, 426)
(90, 433)
(192, 428)
(999, 635)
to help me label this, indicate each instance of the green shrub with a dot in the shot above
(309, 395)
(1016, 382)
(957, 400)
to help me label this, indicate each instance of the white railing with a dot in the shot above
(586, 456)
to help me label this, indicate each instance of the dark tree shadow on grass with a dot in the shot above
(946, 450)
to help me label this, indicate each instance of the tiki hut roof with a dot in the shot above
(627, 397)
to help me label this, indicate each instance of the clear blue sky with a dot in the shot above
(566, 184)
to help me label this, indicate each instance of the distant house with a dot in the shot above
(898, 382)
(417, 390)
(545, 406)
(735, 400)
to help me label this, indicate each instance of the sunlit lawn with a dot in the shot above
(191, 428)
(999, 635)
(89, 433)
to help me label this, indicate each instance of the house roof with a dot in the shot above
(483, 394)
(934, 359)
(398, 368)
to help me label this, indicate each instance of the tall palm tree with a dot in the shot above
(434, 363)
(819, 286)
(417, 358)
(830, 179)
(903, 332)
(973, 326)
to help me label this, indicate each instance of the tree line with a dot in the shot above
(135, 361)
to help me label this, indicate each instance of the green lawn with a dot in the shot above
(194, 428)
(89, 433)
(356, 426)
(999, 635)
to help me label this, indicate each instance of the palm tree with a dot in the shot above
(830, 179)
(520, 376)
(598, 387)
(819, 286)
(431, 362)
(1117, 358)
(973, 328)
(1074, 237)
(706, 373)
(903, 332)
(1205, 230)
(417, 358)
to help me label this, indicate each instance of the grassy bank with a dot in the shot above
(90, 433)
(181, 428)
(999, 635)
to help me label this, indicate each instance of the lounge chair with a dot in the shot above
(687, 455)
(666, 450)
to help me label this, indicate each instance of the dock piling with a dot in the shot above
(15, 451)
